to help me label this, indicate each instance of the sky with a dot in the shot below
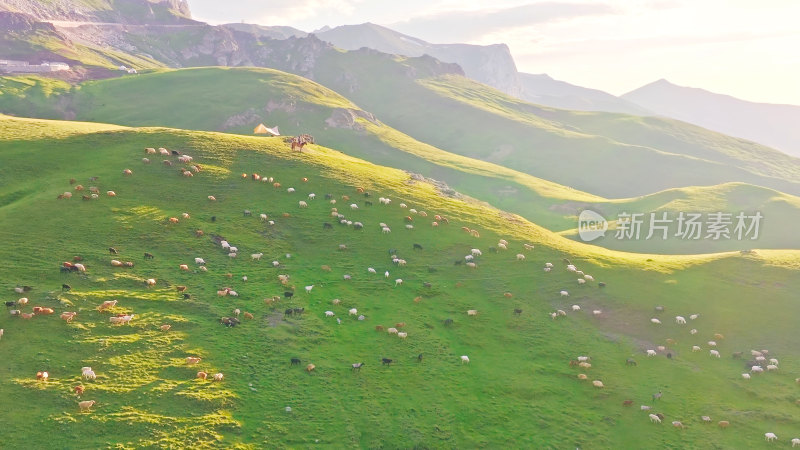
(744, 48)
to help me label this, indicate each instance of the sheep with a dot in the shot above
(464, 359)
(386, 274)
(302, 204)
(651, 352)
(677, 424)
(392, 330)
(127, 172)
(723, 423)
(561, 312)
(233, 293)
(232, 255)
(386, 230)
(88, 373)
(184, 267)
(24, 301)
(150, 282)
(476, 252)
(42, 376)
(654, 418)
(585, 365)
(165, 327)
(472, 312)
(769, 437)
(680, 320)
(693, 331)
(757, 369)
(714, 353)
(108, 304)
(772, 367)
(310, 367)
(67, 316)
(111, 193)
(712, 343)
(201, 375)
(588, 278)
(581, 281)
(309, 288)
(329, 314)
(576, 308)
(771, 360)
(597, 384)
(655, 321)
(200, 261)
(86, 405)
(402, 334)
(564, 293)
(795, 442)
(398, 282)
(218, 376)
(1, 332)
(192, 360)
(233, 249)
(212, 198)
(353, 312)
(80, 267)
(336, 301)
(696, 348)
(746, 376)
(371, 270)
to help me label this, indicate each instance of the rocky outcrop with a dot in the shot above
(348, 118)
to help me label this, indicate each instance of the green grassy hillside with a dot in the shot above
(243, 98)
(517, 390)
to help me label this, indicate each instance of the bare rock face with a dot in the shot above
(347, 118)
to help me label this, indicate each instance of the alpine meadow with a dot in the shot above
(251, 236)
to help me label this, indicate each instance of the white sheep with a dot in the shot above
(746, 376)
(257, 256)
(693, 331)
(696, 348)
(597, 384)
(651, 352)
(312, 196)
(225, 245)
(232, 255)
(654, 418)
(472, 312)
(476, 252)
(469, 258)
(712, 343)
(371, 270)
(302, 204)
(655, 321)
(244, 278)
(564, 294)
(386, 230)
(771, 367)
(769, 437)
(597, 312)
(329, 314)
(773, 361)
(576, 308)
(757, 369)
(353, 206)
(263, 217)
(713, 352)
(680, 320)
(233, 249)
(464, 359)
(309, 288)
(694, 316)
(548, 265)
(200, 261)
(547, 269)
(402, 334)
(581, 281)
(795, 442)
(386, 274)
(588, 278)
(353, 312)
(290, 190)
(520, 257)
(398, 282)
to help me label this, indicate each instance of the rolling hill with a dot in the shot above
(769, 124)
(518, 388)
(296, 105)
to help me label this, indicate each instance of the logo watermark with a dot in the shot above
(591, 225)
(679, 225)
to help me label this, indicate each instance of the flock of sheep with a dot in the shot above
(470, 261)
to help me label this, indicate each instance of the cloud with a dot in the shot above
(464, 26)
(275, 12)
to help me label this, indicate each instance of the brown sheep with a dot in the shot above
(723, 423)
(310, 367)
(165, 327)
(202, 375)
(248, 315)
(399, 324)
